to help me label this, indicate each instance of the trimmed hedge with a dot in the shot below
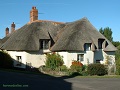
(96, 69)
(5, 60)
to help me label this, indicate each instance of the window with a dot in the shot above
(80, 57)
(87, 46)
(19, 60)
(98, 61)
(100, 42)
(44, 44)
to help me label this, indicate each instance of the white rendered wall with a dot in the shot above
(35, 58)
(111, 56)
(68, 57)
(13, 54)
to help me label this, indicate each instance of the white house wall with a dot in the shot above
(68, 57)
(111, 56)
(13, 54)
(35, 59)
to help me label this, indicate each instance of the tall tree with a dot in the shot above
(101, 31)
(107, 32)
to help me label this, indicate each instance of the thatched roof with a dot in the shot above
(76, 34)
(1, 42)
(66, 36)
(28, 36)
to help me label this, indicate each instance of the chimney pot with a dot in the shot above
(7, 31)
(12, 27)
(33, 14)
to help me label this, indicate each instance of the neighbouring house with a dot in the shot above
(78, 40)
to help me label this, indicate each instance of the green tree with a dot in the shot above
(101, 30)
(116, 43)
(117, 58)
(107, 32)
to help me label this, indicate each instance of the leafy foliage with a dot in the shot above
(116, 43)
(53, 61)
(96, 69)
(76, 66)
(5, 60)
(107, 32)
(63, 68)
(118, 67)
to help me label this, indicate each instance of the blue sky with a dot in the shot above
(101, 13)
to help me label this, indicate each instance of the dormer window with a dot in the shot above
(100, 43)
(44, 44)
(87, 46)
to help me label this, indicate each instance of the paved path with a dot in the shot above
(21, 81)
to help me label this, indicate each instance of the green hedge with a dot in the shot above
(96, 69)
(5, 60)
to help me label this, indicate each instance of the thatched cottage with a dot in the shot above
(78, 40)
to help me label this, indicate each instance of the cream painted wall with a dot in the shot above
(88, 57)
(35, 58)
(111, 56)
(68, 57)
(13, 54)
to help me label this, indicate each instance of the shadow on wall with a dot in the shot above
(98, 56)
(26, 80)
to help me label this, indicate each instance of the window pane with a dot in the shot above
(80, 57)
(87, 46)
(44, 44)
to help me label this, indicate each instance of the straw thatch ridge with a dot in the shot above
(66, 36)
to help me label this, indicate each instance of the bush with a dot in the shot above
(5, 60)
(96, 69)
(53, 61)
(63, 68)
(118, 67)
(76, 66)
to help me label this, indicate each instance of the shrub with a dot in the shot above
(96, 69)
(63, 68)
(53, 61)
(5, 60)
(118, 67)
(76, 66)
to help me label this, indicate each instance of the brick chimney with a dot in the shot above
(33, 14)
(7, 31)
(12, 27)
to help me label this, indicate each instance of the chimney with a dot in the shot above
(7, 31)
(12, 27)
(33, 14)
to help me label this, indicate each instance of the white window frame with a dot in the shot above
(80, 57)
